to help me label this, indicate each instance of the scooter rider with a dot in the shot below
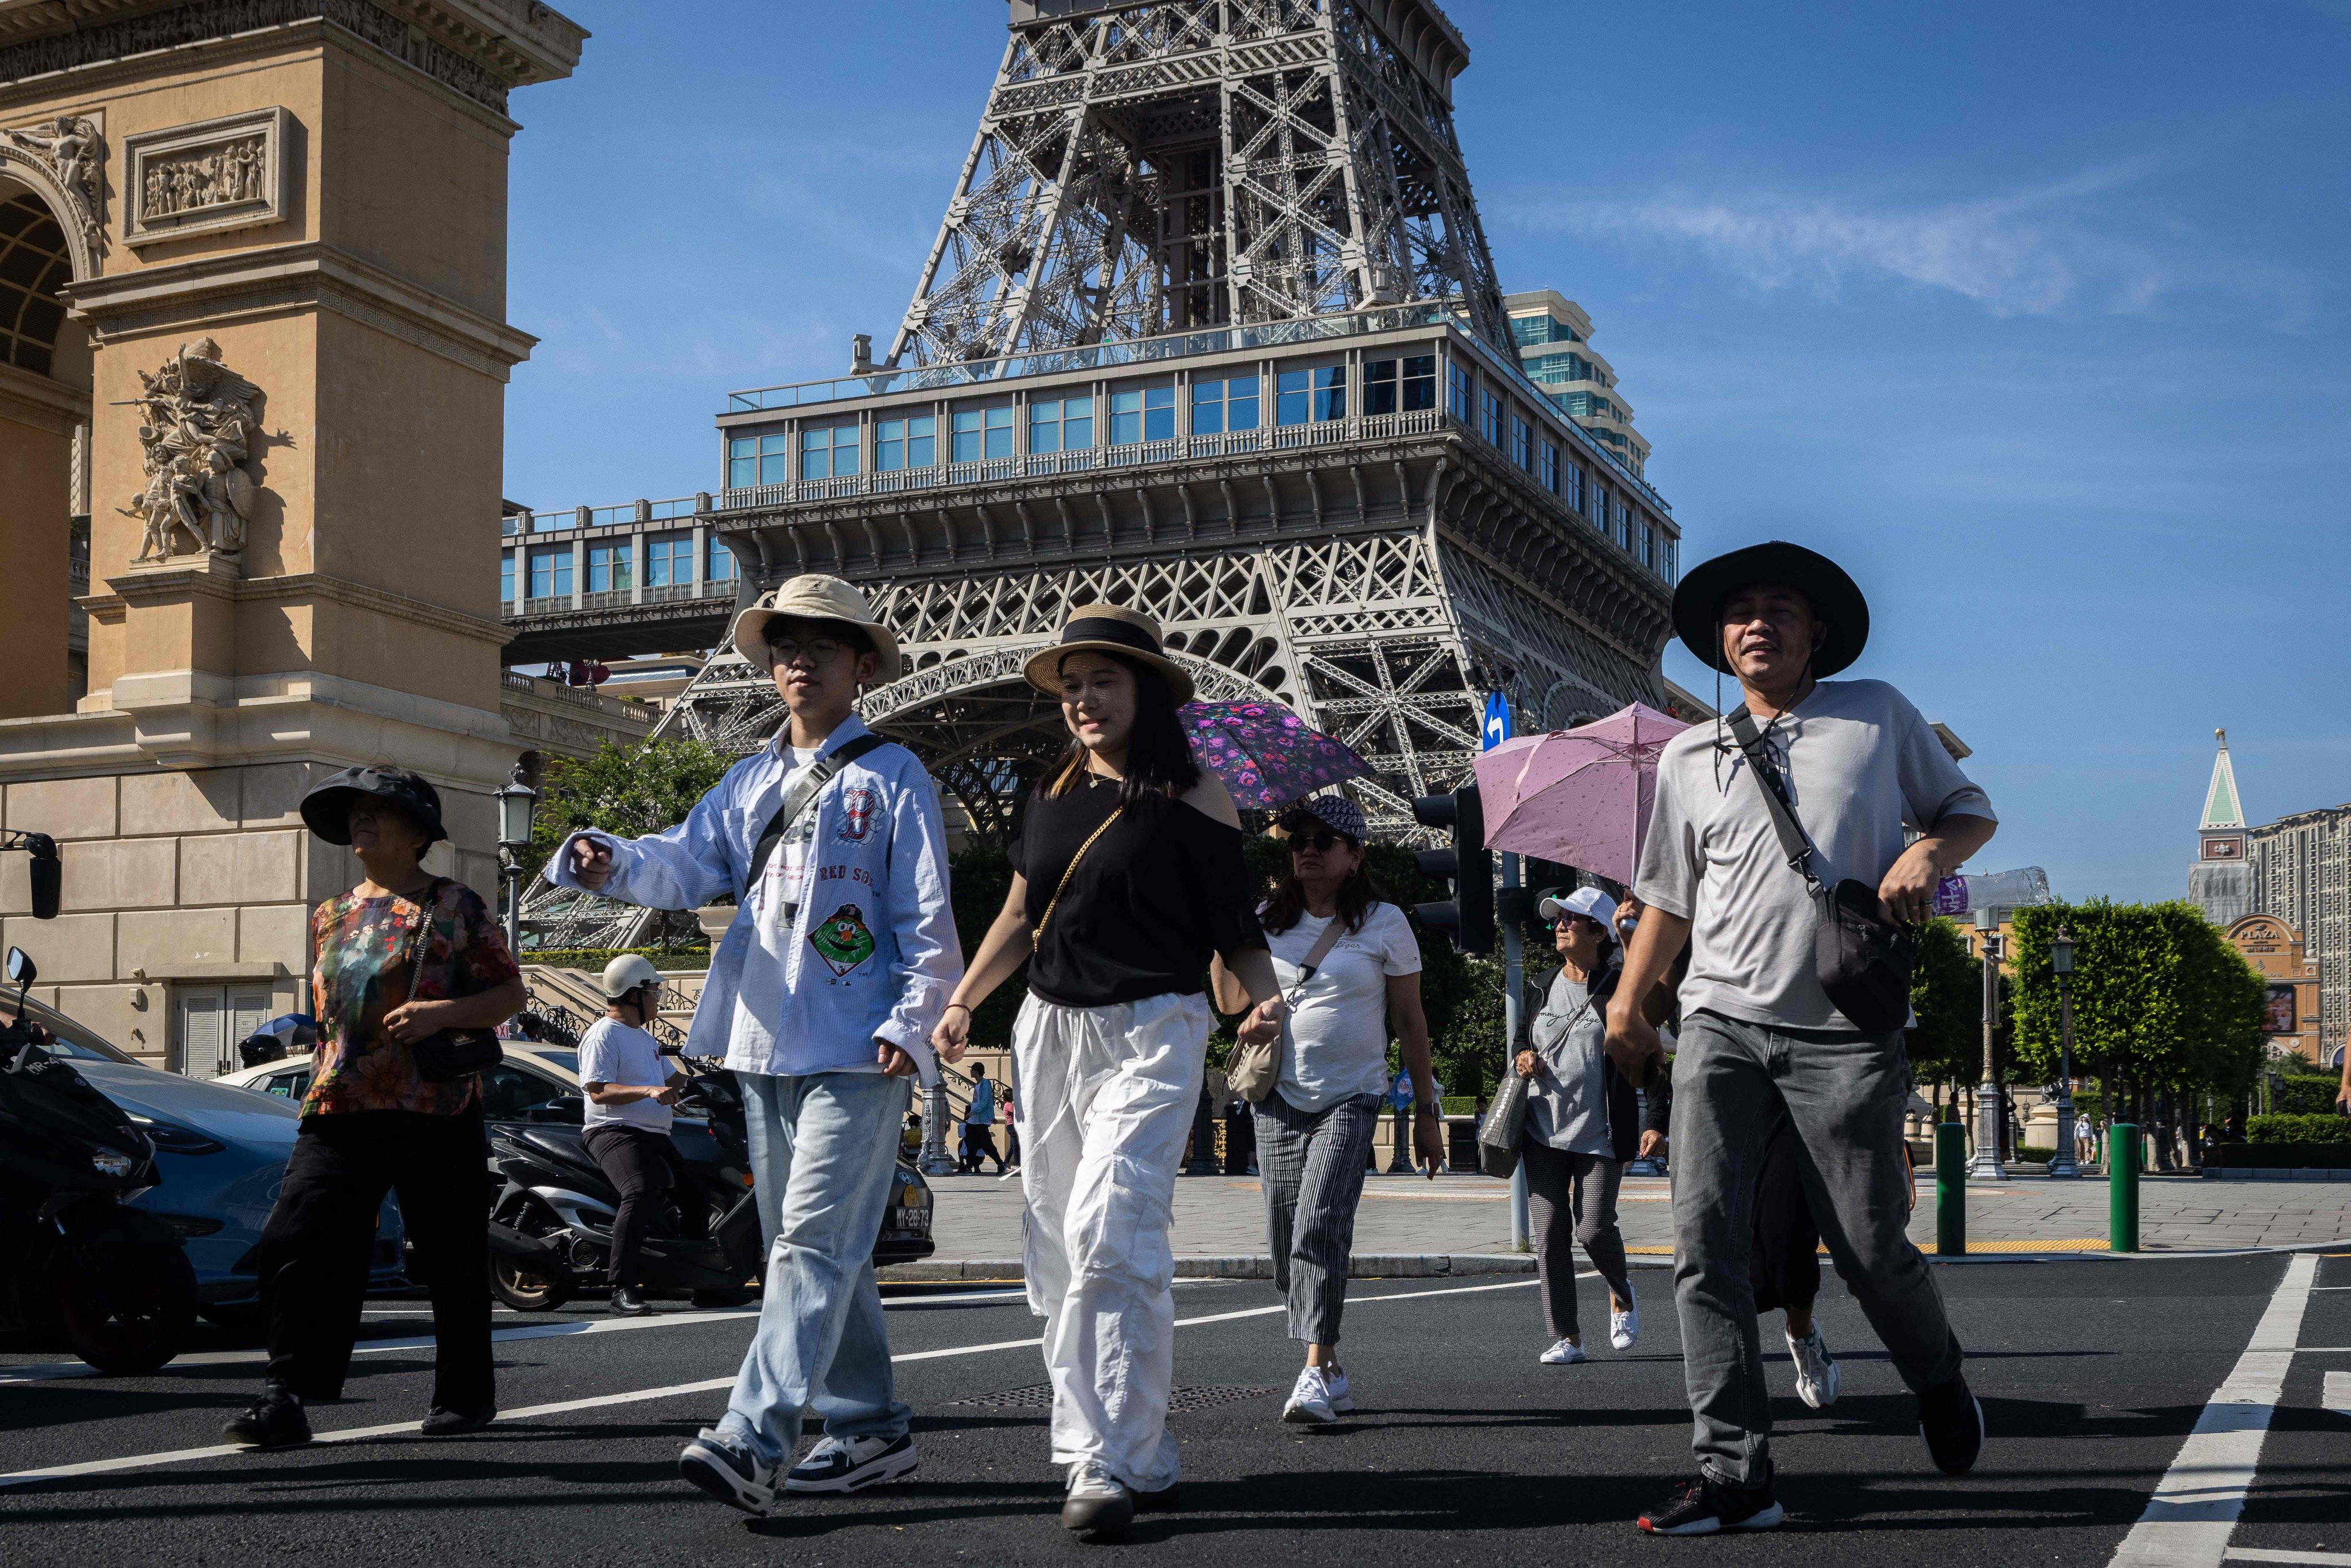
(629, 1091)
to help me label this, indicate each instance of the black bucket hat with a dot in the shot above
(328, 807)
(1835, 598)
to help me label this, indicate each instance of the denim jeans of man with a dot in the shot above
(823, 1148)
(1845, 1095)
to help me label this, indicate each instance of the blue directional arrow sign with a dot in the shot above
(1497, 720)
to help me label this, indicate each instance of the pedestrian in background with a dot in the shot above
(1349, 968)
(401, 958)
(630, 1087)
(1844, 767)
(1011, 1135)
(979, 1124)
(1583, 1126)
(1127, 878)
(822, 997)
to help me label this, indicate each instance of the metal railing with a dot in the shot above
(533, 521)
(579, 697)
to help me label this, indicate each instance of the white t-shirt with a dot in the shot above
(1337, 1044)
(775, 903)
(1860, 763)
(619, 1054)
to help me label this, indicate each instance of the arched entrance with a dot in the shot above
(45, 411)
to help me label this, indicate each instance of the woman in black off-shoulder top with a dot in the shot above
(1127, 878)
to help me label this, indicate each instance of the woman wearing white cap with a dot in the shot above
(1583, 1123)
(1127, 878)
(1350, 966)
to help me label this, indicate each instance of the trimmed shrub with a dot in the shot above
(593, 959)
(2308, 1094)
(2299, 1129)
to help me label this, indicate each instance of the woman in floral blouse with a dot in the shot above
(372, 1121)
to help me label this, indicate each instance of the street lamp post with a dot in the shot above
(1986, 1165)
(515, 799)
(2060, 960)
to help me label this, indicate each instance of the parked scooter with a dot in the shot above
(113, 1280)
(551, 1221)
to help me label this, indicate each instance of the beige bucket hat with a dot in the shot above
(1107, 629)
(814, 597)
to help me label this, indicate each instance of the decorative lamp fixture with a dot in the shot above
(515, 800)
(2061, 953)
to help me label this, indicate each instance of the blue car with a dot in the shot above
(221, 1151)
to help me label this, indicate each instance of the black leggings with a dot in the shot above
(314, 1250)
(1783, 1260)
(641, 1166)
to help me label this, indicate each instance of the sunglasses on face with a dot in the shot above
(818, 653)
(1323, 839)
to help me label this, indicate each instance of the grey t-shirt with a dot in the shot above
(1860, 763)
(1567, 1104)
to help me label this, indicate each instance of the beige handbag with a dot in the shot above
(1254, 1067)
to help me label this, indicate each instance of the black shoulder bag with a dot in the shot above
(796, 800)
(452, 1053)
(1861, 953)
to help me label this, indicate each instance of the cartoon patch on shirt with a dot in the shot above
(857, 808)
(842, 940)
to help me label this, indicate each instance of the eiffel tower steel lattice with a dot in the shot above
(1210, 330)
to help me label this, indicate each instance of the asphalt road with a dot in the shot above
(2092, 1374)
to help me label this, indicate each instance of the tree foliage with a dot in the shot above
(627, 790)
(2161, 1001)
(1947, 993)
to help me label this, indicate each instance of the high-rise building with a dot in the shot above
(1554, 341)
(2302, 874)
(2220, 882)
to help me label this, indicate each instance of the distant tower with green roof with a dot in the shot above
(2220, 882)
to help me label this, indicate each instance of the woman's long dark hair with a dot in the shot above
(1356, 895)
(1158, 757)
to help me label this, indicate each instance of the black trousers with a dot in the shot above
(641, 1166)
(979, 1143)
(1784, 1263)
(314, 1249)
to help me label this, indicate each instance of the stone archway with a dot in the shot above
(985, 733)
(46, 244)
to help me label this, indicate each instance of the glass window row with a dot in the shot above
(550, 572)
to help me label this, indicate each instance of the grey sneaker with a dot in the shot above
(1816, 1369)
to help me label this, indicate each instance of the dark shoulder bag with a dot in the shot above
(1861, 953)
(453, 1053)
(797, 798)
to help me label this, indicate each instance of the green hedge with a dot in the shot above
(593, 959)
(2299, 1129)
(2308, 1093)
(2278, 1156)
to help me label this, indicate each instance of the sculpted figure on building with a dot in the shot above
(198, 432)
(75, 153)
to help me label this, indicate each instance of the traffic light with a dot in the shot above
(1469, 915)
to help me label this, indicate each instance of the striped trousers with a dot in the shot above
(1312, 1165)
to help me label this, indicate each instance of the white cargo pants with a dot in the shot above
(1106, 1097)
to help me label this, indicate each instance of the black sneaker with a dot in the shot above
(727, 1473)
(1705, 1506)
(1951, 1420)
(627, 1304)
(443, 1422)
(273, 1421)
(853, 1464)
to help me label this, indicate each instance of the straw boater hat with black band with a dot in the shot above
(812, 596)
(1835, 598)
(1106, 629)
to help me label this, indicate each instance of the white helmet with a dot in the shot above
(626, 973)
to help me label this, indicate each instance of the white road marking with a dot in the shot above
(2336, 1392)
(2194, 1511)
(2265, 1554)
(641, 1395)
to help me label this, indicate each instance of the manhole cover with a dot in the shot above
(1040, 1396)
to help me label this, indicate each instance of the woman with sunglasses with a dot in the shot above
(1345, 989)
(1583, 1125)
(1127, 879)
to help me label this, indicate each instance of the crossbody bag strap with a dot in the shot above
(1316, 953)
(1792, 841)
(423, 938)
(797, 798)
(1037, 938)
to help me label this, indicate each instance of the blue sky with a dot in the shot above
(2032, 314)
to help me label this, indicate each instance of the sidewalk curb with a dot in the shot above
(1464, 1265)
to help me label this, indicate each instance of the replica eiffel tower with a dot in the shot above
(1211, 328)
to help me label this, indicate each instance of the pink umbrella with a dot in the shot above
(1578, 795)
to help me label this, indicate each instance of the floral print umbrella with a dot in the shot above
(1266, 755)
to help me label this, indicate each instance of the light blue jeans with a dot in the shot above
(823, 1147)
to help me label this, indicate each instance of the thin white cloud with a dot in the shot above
(2029, 253)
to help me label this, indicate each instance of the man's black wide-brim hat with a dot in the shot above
(328, 807)
(1836, 599)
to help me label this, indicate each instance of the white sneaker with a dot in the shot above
(853, 1464)
(1566, 1352)
(1095, 1501)
(1816, 1369)
(1310, 1399)
(729, 1473)
(1623, 1328)
(1342, 1401)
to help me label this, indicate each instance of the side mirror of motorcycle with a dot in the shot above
(22, 971)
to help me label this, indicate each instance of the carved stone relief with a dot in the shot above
(227, 173)
(200, 422)
(73, 148)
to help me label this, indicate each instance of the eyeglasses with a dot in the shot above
(1323, 841)
(818, 652)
